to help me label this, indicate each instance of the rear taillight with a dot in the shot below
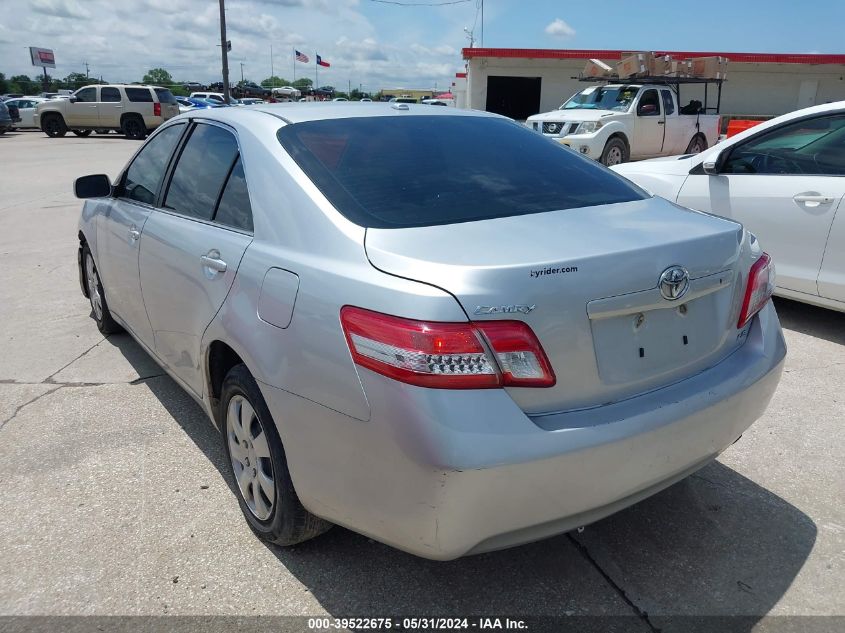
(156, 109)
(447, 355)
(761, 284)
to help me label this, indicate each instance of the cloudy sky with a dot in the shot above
(378, 43)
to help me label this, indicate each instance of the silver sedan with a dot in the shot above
(429, 325)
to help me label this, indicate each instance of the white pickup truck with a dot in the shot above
(615, 123)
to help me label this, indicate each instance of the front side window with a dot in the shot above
(649, 104)
(144, 175)
(142, 95)
(201, 171)
(813, 146)
(86, 95)
(426, 170)
(110, 95)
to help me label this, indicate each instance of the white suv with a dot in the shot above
(133, 110)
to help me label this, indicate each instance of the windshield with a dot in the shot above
(425, 170)
(602, 98)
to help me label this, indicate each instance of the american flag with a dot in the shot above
(300, 57)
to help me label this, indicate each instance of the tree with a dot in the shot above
(274, 82)
(303, 83)
(158, 76)
(4, 85)
(77, 80)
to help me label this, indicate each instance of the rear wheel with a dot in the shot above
(99, 308)
(54, 126)
(615, 152)
(134, 128)
(264, 488)
(696, 145)
(82, 132)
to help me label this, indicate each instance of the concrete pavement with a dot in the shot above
(116, 498)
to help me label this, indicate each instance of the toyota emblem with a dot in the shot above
(674, 283)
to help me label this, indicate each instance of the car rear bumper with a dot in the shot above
(443, 473)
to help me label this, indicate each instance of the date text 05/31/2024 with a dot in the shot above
(413, 624)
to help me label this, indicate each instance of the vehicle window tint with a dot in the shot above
(109, 95)
(668, 104)
(809, 147)
(424, 170)
(139, 94)
(88, 95)
(145, 173)
(234, 208)
(201, 171)
(649, 104)
(164, 95)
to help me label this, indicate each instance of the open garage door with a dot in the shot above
(515, 97)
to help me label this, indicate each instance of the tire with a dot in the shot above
(615, 152)
(54, 126)
(99, 307)
(134, 128)
(274, 512)
(697, 145)
(82, 132)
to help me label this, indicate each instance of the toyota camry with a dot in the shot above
(429, 325)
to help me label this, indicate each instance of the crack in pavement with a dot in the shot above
(26, 404)
(49, 379)
(642, 615)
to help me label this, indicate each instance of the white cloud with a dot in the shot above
(559, 28)
(60, 8)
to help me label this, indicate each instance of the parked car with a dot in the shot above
(193, 85)
(340, 99)
(616, 123)
(249, 89)
(6, 97)
(402, 100)
(185, 104)
(437, 102)
(492, 343)
(784, 179)
(134, 110)
(209, 96)
(251, 101)
(6, 123)
(366, 100)
(26, 108)
(287, 91)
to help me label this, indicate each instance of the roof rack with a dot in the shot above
(672, 82)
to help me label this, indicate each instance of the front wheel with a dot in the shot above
(54, 126)
(615, 152)
(264, 488)
(99, 308)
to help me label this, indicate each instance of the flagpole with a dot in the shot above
(272, 81)
(294, 65)
(316, 72)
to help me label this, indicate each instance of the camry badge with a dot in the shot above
(674, 283)
(511, 309)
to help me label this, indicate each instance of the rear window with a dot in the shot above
(164, 95)
(139, 94)
(396, 172)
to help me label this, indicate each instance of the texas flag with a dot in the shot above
(320, 62)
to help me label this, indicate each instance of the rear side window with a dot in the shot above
(139, 94)
(202, 169)
(668, 104)
(145, 173)
(234, 209)
(164, 95)
(404, 171)
(109, 95)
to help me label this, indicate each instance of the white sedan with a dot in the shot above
(784, 180)
(26, 107)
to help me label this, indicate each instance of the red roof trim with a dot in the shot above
(461, 75)
(548, 53)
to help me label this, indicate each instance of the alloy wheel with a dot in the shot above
(250, 456)
(94, 287)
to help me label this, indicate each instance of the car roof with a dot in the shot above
(316, 111)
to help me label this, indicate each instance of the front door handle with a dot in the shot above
(134, 234)
(661, 123)
(212, 261)
(813, 199)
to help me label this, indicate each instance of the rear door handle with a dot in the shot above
(212, 261)
(813, 200)
(134, 234)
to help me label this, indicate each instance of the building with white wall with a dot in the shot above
(519, 82)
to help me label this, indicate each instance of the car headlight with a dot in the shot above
(588, 127)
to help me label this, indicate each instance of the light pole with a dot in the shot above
(469, 35)
(224, 51)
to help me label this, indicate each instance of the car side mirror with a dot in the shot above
(647, 109)
(73, 99)
(712, 165)
(96, 186)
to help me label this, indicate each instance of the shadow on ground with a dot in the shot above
(810, 320)
(713, 544)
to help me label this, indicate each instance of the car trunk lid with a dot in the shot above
(586, 281)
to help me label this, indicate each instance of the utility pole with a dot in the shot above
(482, 23)
(86, 69)
(224, 49)
(242, 72)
